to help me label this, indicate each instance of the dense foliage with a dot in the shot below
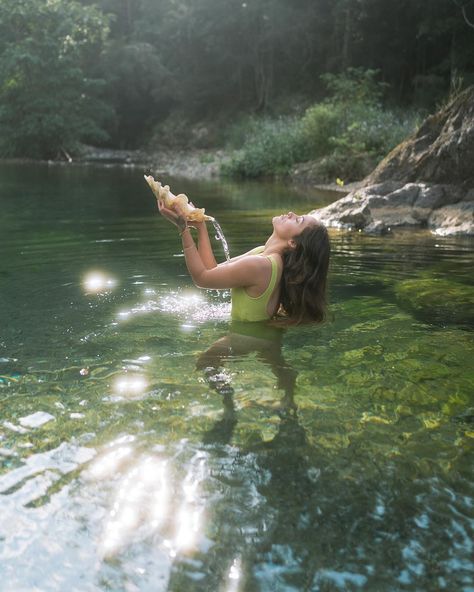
(48, 101)
(345, 135)
(66, 64)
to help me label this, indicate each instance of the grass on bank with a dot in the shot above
(345, 141)
(345, 136)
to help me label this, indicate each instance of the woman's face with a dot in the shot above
(287, 226)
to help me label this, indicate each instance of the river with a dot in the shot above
(146, 444)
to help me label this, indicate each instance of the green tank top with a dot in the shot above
(253, 308)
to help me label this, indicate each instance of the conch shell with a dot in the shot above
(164, 194)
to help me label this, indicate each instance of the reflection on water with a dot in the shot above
(146, 443)
(264, 341)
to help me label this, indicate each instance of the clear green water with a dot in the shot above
(180, 455)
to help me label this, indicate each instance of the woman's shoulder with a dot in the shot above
(255, 251)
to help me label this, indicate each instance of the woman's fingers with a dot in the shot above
(173, 217)
(166, 211)
(176, 215)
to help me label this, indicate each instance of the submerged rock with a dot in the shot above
(36, 420)
(438, 300)
(453, 219)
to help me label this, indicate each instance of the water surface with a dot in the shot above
(148, 444)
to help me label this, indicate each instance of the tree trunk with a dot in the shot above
(346, 40)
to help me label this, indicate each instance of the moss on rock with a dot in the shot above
(438, 300)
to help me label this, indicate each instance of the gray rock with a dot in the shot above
(357, 217)
(392, 216)
(378, 227)
(469, 196)
(348, 212)
(383, 188)
(411, 205)
(429, 198)
(395, 209)
(453, 219)
(36, 420)
(440, 151)
(405, 196)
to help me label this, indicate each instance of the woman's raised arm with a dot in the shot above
(243, 272)
(204, 245)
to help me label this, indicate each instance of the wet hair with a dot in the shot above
(304, 279)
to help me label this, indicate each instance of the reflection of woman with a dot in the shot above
(244, 338)
(286, 275)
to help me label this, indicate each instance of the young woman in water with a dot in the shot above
(286, 276)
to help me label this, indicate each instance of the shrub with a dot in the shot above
(348, 133)
(270, 149)
(355, 85)
(319, 125)
(374, 130)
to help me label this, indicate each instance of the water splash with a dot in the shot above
(220, 236)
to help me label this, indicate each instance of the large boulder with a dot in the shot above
(444, 209)
(427, 180)
(440, 151)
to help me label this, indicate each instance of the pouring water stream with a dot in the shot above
(220, 236)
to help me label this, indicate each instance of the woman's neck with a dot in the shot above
(275, 245)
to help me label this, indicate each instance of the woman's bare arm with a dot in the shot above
(204, 245)
(244, 272)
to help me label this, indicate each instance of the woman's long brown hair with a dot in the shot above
(304, 279)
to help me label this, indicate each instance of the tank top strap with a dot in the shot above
(274, 276)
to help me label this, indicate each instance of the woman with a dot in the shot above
(286, 276)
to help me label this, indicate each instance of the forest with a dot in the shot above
(295, 79)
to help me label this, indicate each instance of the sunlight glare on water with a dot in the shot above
(187, 304)
(97, 282)
(129, 385)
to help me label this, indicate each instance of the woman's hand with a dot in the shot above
(175, 216)
(197, 224)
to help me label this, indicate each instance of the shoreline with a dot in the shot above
(344, 211)
(194, 164)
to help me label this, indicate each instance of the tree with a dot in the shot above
(47, 101)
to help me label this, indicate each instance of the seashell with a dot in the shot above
(164, 194)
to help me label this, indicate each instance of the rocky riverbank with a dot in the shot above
(427, 181)
(444, 209)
